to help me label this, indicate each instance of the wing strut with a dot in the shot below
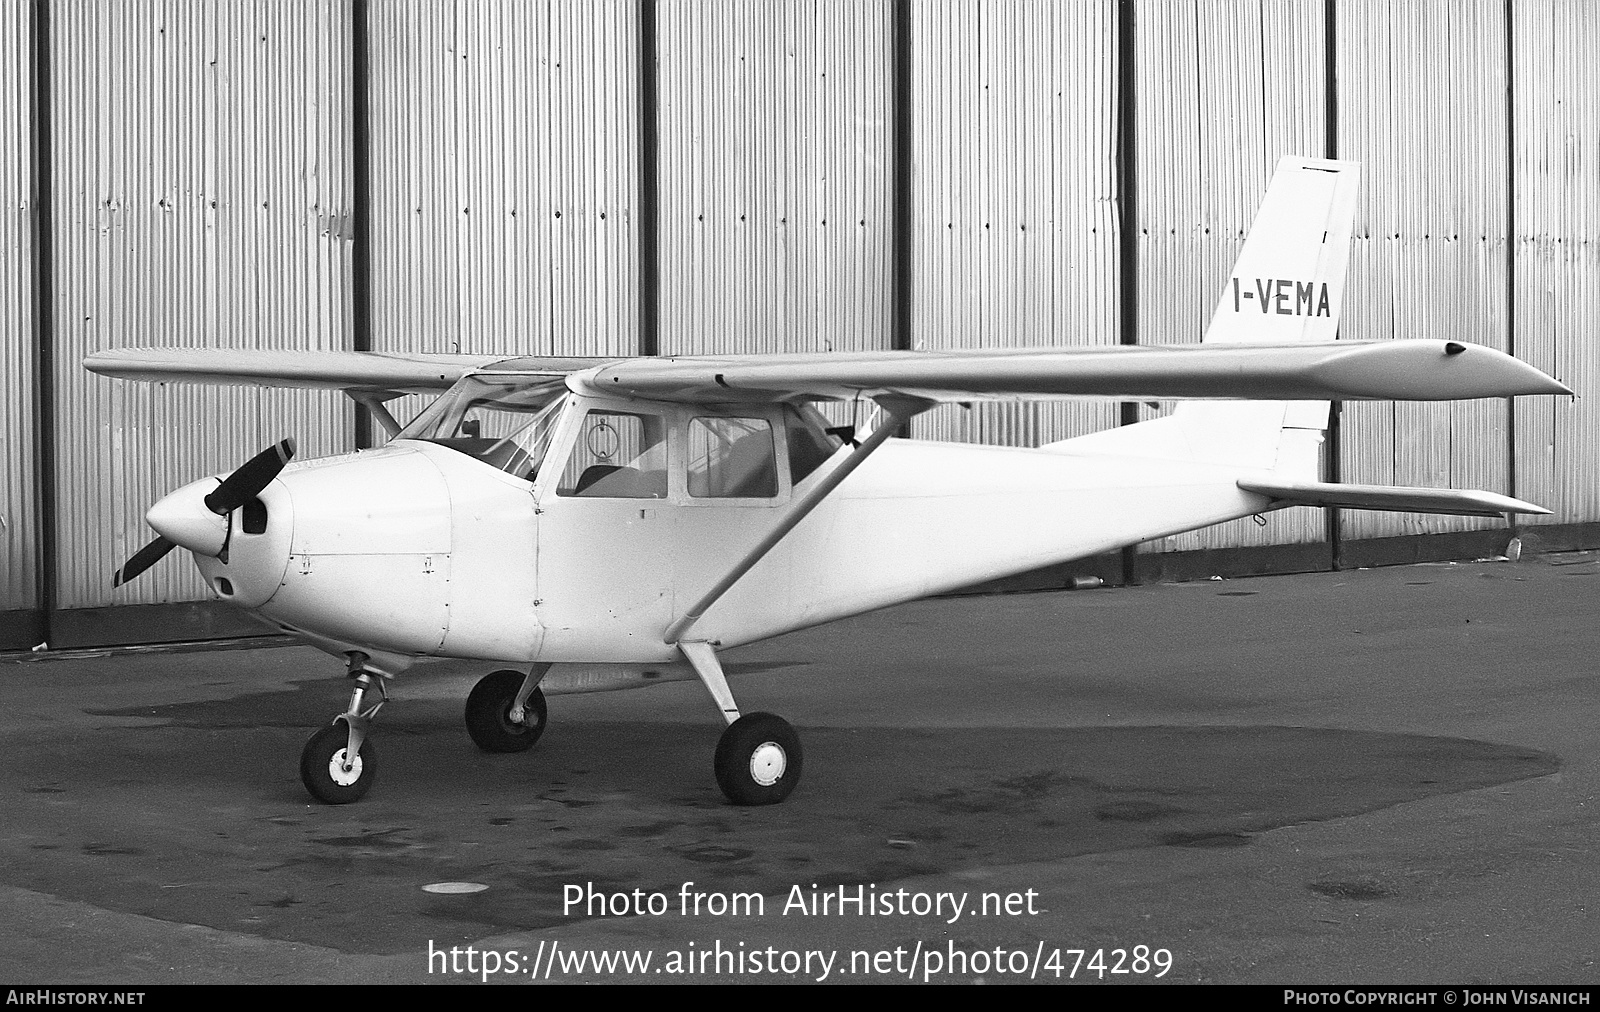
(899, 409)
(373, 400)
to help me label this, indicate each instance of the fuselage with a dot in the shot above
(421, 549)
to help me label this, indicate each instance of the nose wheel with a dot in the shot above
(331, 772)
(338, 764)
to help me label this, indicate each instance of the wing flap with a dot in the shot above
(1458, 502)
(1342, 370)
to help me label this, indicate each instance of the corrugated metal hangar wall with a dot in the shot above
(658, 176)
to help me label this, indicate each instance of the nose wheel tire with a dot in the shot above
(758, 760)
(489, 714)
(322, 767)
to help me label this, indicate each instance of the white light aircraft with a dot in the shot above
(610, 524)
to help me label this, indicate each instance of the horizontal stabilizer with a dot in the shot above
(1460, 502)
(1328, 370)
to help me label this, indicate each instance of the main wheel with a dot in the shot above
(489, 714)
(758, 760)
(322, 767)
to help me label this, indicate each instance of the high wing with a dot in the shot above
(351, 371)
(1343, 370)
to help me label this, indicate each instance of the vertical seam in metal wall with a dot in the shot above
(1511, 254)
(1330, 146)
(649, 185)
(1127, 151)
(901, 181)
(361, 167)
(43, 321)
(1127, 255)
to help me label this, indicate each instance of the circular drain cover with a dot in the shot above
(454, 888)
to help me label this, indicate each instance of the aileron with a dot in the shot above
(331, 370)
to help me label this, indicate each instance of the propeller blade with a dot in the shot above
(247, 482)
(142, 560)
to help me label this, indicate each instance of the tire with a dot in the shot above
(758, 760)
(321, 763)
(488, 714)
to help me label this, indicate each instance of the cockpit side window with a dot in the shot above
(732, 458)
(617, 455)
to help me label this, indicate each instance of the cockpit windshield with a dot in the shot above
(505, 420)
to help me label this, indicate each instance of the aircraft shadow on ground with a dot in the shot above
(203, 820)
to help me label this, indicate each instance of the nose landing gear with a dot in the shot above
(332, 772)
(338, 764)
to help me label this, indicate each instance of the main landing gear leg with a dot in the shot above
(758, 757)
(333, 766)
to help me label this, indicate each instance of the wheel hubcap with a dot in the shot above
(767, 763)
(341, 776)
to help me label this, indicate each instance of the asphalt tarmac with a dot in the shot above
(1381, 776)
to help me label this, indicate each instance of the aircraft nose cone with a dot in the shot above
(183, 519)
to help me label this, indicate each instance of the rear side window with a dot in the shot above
(810, 446)
(618, 455)
(732, 458)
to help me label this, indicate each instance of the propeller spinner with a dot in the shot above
(197, 519)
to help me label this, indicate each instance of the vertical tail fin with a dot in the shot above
(1287, 285)
(1289, 280)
